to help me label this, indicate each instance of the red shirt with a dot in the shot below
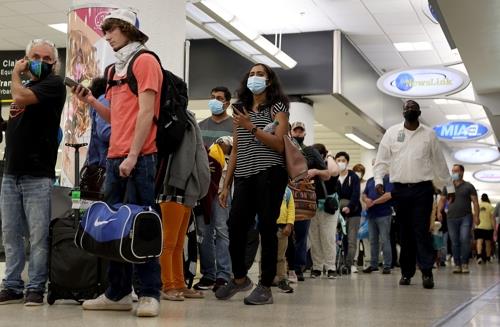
(124, 107)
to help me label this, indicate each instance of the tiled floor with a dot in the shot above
(359, 300)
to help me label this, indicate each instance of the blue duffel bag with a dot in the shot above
(126, 233)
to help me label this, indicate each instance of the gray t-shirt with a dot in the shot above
(461, 207)
(211, 131)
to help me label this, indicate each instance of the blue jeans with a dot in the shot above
(301, 230)
(215, 259)
(380, 227)
(460, 235)
(25, 203)
(140, 190)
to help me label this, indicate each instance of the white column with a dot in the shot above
(300, 111)
(165, 24)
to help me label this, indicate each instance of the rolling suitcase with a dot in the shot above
(73, 273)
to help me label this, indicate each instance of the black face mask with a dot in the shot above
(40, 69)
(411, 116)
(299, 139)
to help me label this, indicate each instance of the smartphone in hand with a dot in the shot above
(237, 107)
(72, 83)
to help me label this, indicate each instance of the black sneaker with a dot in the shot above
(369, 269)
(300, 276)
(284, 286)
(331, 274)
(428, 282)
(219, 282)
(404, 281)
(228, 291)
(204, 284)
(315, 273)
(260, 295)
(386, 271)
(33, 298)
(9, 297)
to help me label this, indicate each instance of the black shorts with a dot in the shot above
(483, 234)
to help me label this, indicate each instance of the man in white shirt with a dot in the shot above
(409, 152)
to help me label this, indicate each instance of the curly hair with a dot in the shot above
(129, 30)
(274, 91)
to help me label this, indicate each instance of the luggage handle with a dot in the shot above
(76, 187)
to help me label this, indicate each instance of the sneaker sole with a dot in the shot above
(12, 301)
(285, 291)
(147, 314)
(33, 304)
(269, 301)
(245, 289)
(110, 307)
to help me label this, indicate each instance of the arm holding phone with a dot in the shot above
(274, 141)
(83, 94)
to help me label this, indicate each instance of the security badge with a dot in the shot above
(401, 136)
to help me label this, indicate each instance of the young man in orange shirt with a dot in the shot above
(131, 164)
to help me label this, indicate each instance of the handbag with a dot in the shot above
(296, 163)
(91, 182)
(330, 204)
(126, 233)
(304, 196)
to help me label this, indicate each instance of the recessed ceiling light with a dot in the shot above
(413, 46)
(61, 27)
(458, 117)
(477, 155)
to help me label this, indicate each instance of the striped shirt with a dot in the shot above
(253, 156)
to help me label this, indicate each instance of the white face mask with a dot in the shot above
(342, 165)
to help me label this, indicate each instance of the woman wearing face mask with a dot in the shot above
(348, 190)
(257, 165)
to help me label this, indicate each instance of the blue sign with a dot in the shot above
(461, 131)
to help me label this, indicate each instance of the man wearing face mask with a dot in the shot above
(215, 260)
(31, 153)
(219, 124)
(460, 217)
(409, 152)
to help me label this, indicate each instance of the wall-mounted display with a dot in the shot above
(423, 82)
(461, 131)
(477, 155)
(487, 175)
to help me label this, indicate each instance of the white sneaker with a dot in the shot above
(292, 277)
(354, 269)
(135, 298)
(103, 303)
(148, 307)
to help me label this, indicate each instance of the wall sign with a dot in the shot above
(461, 131)
(487, 175)
(477, 155)
(7, 61)
(423, 82)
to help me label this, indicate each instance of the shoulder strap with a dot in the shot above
(130, 79)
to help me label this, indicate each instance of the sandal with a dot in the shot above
(191, 294)
(172, 295)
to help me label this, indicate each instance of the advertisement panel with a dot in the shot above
(88, 54)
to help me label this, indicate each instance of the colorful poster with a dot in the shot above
(88, 54)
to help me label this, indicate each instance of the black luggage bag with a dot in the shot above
(73, 273)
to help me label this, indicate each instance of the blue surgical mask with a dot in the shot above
(256, 84)
(455, 177)
(216, 107)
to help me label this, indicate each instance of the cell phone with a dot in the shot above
(72, 83)
(238, 106)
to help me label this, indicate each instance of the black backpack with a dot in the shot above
(172, 121)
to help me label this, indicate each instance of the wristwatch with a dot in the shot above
(253, 131)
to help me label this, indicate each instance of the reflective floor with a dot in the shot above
(358, 300)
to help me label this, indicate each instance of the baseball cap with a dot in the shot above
(298, 124)
(127, 15)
